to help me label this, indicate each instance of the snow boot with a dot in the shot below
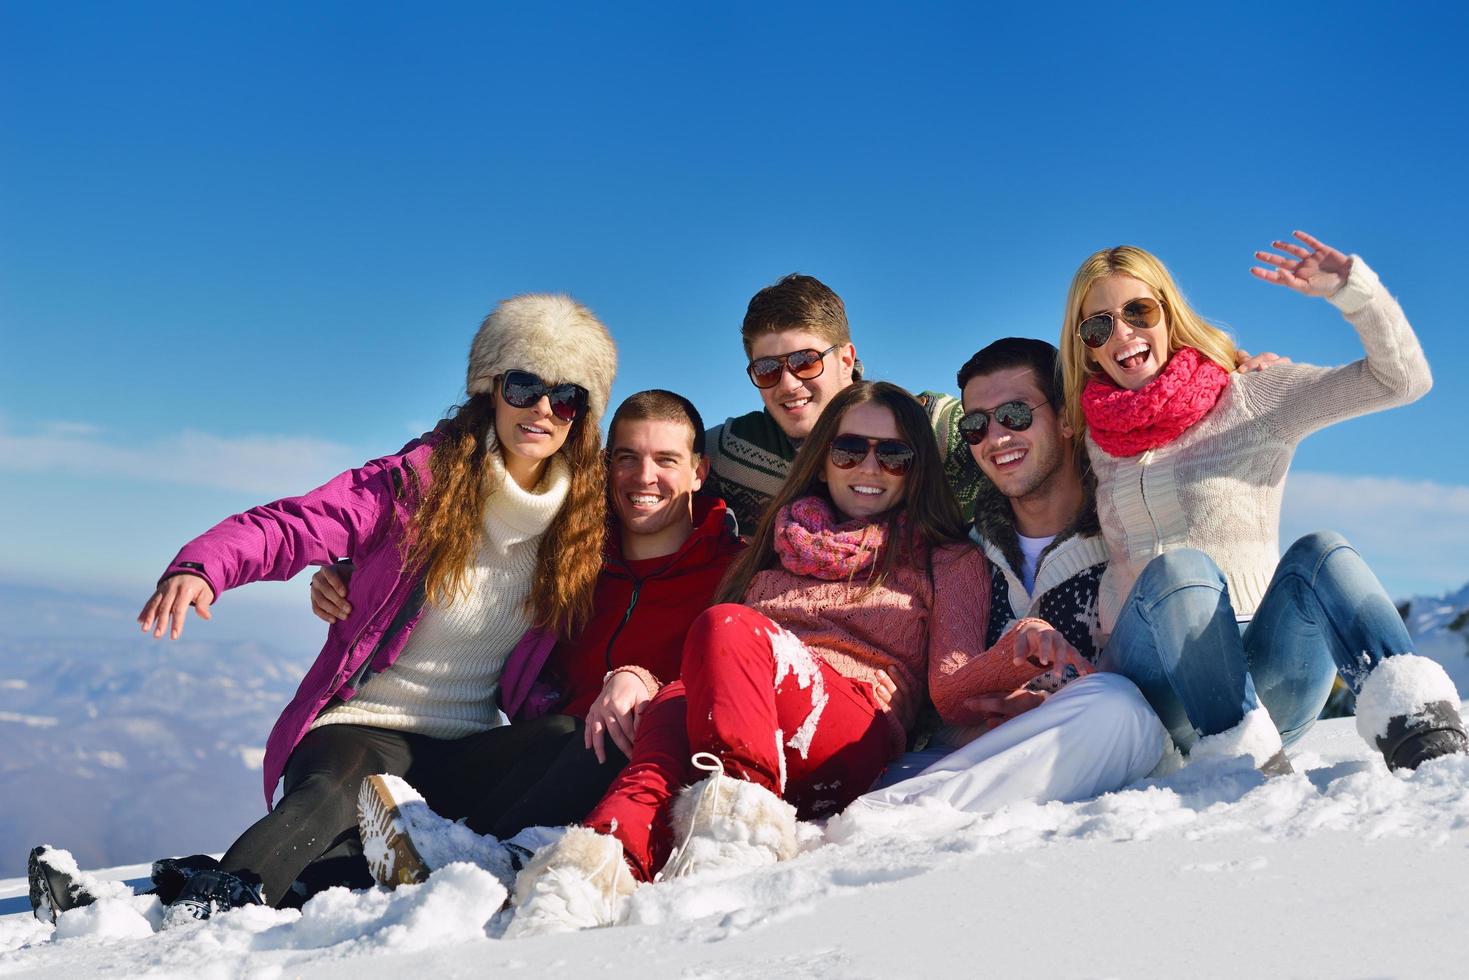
(1255, 738)
(54, 883)
(579, 882)
(730, 823)
(169, 875)
(404, 841)
(1435, 730)
(207, 893)
(1409, 709)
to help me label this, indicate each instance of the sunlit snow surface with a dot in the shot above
(1341, 870)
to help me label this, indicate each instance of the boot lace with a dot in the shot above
(679, 863)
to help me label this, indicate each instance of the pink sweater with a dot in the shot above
(917, 631)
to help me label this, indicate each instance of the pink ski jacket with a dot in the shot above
(359, 515)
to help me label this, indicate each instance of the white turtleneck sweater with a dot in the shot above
(443, 684)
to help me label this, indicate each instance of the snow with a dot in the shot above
(1398, 688)
(1255, 738)
(792, 659)
(1341, 869)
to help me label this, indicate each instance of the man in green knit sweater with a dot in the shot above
(801, 354)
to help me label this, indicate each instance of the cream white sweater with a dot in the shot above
(1218, 486)
(443, 683)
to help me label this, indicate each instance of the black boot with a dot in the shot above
(53, 890)
(169, 875)
(1432, 731)
(211, 891)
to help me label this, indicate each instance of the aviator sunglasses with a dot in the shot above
(521, 389)
(803, 364)
(1015, 416)
(1140, 313)
(894, 455)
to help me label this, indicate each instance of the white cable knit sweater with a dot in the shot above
(443, 683)
(1218, 486)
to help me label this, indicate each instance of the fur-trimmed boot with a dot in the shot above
(579, 882)
(1255, 737)
(1409, 709)
(729, 823)
(404, 841)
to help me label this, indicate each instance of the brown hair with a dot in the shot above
(449, 523)
(928, 503)
(658, 404)
(796, 302)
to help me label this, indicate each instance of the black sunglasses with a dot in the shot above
(803, 364)
(1015, 416)
(894, 455)
(521, 389)
(1140, 314)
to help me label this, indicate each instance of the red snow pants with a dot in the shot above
(773, 712)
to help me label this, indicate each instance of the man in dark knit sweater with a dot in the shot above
(801, 354)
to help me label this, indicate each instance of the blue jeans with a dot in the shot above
(1177, 638)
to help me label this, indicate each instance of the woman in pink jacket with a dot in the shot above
(858, 591)
(489, 525)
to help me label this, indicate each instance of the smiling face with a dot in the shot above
(1018, 463)
(866, 489)
(528, 437)
(1132, 356)
(794, 403)
(652, 477)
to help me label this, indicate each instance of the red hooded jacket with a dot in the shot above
(642, 610)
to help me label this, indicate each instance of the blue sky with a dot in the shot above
(244, 246)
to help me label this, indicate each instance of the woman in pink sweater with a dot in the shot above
(857, 591)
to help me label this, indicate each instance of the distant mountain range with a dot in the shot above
(123, 749)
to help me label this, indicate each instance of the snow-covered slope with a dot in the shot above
(1440, 627)
(122, 748)
(1341, 870)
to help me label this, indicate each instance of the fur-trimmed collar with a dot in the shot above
(995, 522)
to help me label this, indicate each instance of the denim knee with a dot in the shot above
(1311, 550)
(1176, 569)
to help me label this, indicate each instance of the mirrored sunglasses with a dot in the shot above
(894, 455)
(803, 364)
(521, 389)
(1015, 416)
(1140, 314)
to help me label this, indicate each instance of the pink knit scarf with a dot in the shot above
(1125, 423)
(809, 541)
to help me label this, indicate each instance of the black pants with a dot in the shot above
(500, 782)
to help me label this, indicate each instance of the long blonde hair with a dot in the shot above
(1185, 327)
(446, 528)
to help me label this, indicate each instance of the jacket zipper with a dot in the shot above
(637, 585)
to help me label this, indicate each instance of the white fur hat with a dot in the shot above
(553, 336)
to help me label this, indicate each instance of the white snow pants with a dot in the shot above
(1097, 734)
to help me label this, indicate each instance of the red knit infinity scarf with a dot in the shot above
(1125, 423)
(809, 541)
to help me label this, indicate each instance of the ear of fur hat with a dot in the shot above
(553, 336)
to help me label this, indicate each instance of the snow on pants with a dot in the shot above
(773, 712)
(1096, 735)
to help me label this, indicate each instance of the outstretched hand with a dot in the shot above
(1316, 270)
(170, 602)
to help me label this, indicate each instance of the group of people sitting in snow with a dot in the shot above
(586, 669)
